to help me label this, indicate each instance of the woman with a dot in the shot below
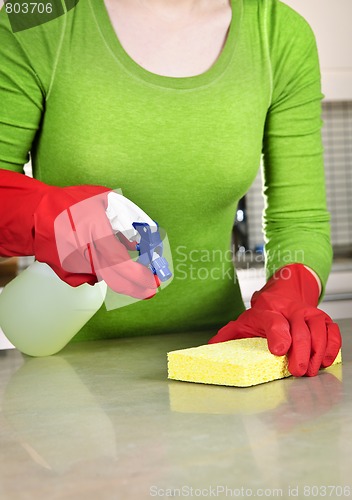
(174, 102)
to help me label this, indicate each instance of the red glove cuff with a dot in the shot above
(293, 281)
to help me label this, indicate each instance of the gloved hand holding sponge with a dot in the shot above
(285, 312)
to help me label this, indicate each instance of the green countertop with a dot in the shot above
(101, 420)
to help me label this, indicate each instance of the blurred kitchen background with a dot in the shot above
(337, 140)
(331, 23)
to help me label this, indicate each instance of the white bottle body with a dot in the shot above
(40, 313)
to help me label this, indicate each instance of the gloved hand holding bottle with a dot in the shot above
(285, 312)
(79, 235)
(79, 245)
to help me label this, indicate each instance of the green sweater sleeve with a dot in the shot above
(296, 220)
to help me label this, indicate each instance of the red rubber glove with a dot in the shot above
(29, 212)
(285, 312)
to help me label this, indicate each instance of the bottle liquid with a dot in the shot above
(40, 313)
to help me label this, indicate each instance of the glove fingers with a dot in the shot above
(108, 251)
(299, 353)
(252, 323)
(130, 245)
(334, 343)
(82, 224)
(318, 332)
(105, 256)
(277, 332)
(140, 279)
(70, 248)
(241, 328)
(120, 284)
(114, 253)
(111, 258)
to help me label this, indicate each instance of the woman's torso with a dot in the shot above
(184, 149)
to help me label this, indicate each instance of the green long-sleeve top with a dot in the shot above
(184, 149)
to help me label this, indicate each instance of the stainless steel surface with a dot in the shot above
(101, 420)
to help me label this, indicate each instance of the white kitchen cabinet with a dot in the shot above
(331, 23)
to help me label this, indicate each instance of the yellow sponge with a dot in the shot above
(240, 363)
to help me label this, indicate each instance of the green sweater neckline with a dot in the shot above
(112, 41)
